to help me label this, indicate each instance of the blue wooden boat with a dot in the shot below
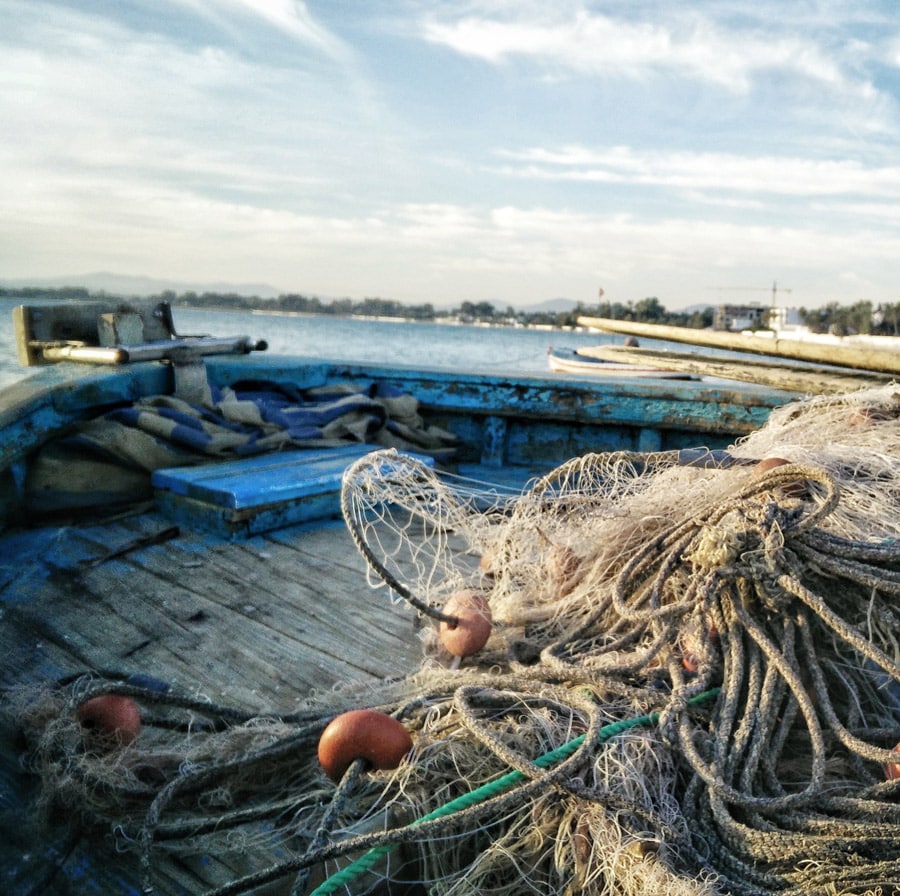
(236, 578)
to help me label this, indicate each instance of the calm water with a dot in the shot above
(473, 349)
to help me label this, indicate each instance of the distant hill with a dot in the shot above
(555, 306)
(127, 285)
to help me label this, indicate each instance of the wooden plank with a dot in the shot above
(255, 495)
(257, 625)
(244, 614)
(238, 524)
(452, 395)
(253, 481)
(39, 407)
(671, 404)
(238, 603)
(861, 358)
(812, 380)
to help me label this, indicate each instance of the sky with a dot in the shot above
(439, 151)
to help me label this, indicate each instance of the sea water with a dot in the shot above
(474, 349)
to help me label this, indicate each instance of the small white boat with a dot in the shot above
(567, 360)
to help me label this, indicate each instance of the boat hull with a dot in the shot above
(275, 604)
(870, 358)
(515, 426)
(571, 361)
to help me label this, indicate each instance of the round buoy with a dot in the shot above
(562, 565)
(791, 490)
(366, 734)
(892, 769)
(110, 718)
(473, 629)
(696, 643)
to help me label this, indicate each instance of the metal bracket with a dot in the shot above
(111, 333)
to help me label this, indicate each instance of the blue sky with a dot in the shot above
(441, 151)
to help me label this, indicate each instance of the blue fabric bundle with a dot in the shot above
(244, 423)
(109, 459)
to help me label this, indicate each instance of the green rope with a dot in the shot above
(492, 788)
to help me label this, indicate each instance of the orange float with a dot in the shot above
(366, 734)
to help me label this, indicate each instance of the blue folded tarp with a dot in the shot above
(109, 459)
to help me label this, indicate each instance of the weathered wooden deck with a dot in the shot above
(255, 624)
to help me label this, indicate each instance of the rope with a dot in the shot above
(353, 527)
(494, 788)
(607, 577)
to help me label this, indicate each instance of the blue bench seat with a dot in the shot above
(257, 494)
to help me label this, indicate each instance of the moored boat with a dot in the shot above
(230, 597)
(873, 356)
(771, 372)
(566, 360)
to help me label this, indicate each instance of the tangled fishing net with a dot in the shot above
(691, 686)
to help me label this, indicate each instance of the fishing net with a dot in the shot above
(691, 686)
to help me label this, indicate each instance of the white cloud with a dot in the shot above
(246, 140)
(697, 171)
(95, 104)
(589, 43)
(291, 18)
(432, 251)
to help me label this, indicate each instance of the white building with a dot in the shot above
(739, 317)
(785, 319)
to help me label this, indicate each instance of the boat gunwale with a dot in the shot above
(58, 396)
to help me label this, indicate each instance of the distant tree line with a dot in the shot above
(78, 293)
(652, 311)
(861, 317)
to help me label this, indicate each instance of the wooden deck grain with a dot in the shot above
(256, 624)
